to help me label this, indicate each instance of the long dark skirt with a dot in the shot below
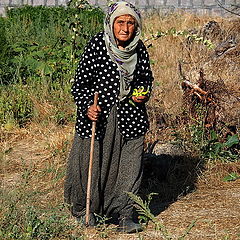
(117, 169)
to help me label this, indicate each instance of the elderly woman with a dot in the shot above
(115, 64)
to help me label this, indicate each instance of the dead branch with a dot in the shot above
(194, 86)
(195, 89)
(230, 11)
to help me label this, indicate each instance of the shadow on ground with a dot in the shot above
(171, 177)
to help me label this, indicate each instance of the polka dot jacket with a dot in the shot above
(96, 72)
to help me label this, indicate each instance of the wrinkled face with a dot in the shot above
(123, 29)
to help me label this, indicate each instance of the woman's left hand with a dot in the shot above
(140, 99)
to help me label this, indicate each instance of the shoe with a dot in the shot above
(128, 226)
(92, 220)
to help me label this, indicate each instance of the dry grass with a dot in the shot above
(33, 158)
(166, 52)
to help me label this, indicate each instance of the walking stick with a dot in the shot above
(90, 165)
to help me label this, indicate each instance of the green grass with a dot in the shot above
(22, 220)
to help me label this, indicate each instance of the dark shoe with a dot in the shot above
(128, 226)
(92, 220)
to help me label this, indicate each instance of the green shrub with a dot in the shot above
(40, 48)
(217, 150)
(40, 41)
(211, 144)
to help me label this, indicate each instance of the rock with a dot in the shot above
(162, 159)
(168, 149)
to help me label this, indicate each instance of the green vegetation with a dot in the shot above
(211, 144)
(231, 177)
(40, 48)
(143, 208)
(186, 34)
(27, 223)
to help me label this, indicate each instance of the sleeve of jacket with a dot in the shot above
(144, 76)
(82, 86)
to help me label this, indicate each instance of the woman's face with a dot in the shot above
(123, 29)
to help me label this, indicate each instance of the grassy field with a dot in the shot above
(39, 52)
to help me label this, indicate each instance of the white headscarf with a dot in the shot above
(126, 59)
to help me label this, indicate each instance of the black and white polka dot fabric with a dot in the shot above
(96, 72)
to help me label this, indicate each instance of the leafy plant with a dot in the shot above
(210, 144)
(220, 150)
(143, 208)
(38, 58)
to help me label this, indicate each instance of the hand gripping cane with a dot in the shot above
(90, 165)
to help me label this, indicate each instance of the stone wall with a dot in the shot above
(209, 7)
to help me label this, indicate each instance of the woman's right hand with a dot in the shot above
(93, 112)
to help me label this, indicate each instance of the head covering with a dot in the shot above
(126, 59)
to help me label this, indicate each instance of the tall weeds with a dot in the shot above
(38, 59)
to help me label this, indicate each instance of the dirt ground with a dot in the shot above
(216, 211)
(213, 208)
(212, 212)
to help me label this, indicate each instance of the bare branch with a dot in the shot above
(230, 11)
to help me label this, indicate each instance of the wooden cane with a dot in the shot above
(90, 165)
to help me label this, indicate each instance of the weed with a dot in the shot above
(102, 226)
(187, 230)
(15, 104)
(30, 223)
(231, 177)
(220, 150)
(191, 37)
(143, 208)
(209, 143)
(38, 58)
